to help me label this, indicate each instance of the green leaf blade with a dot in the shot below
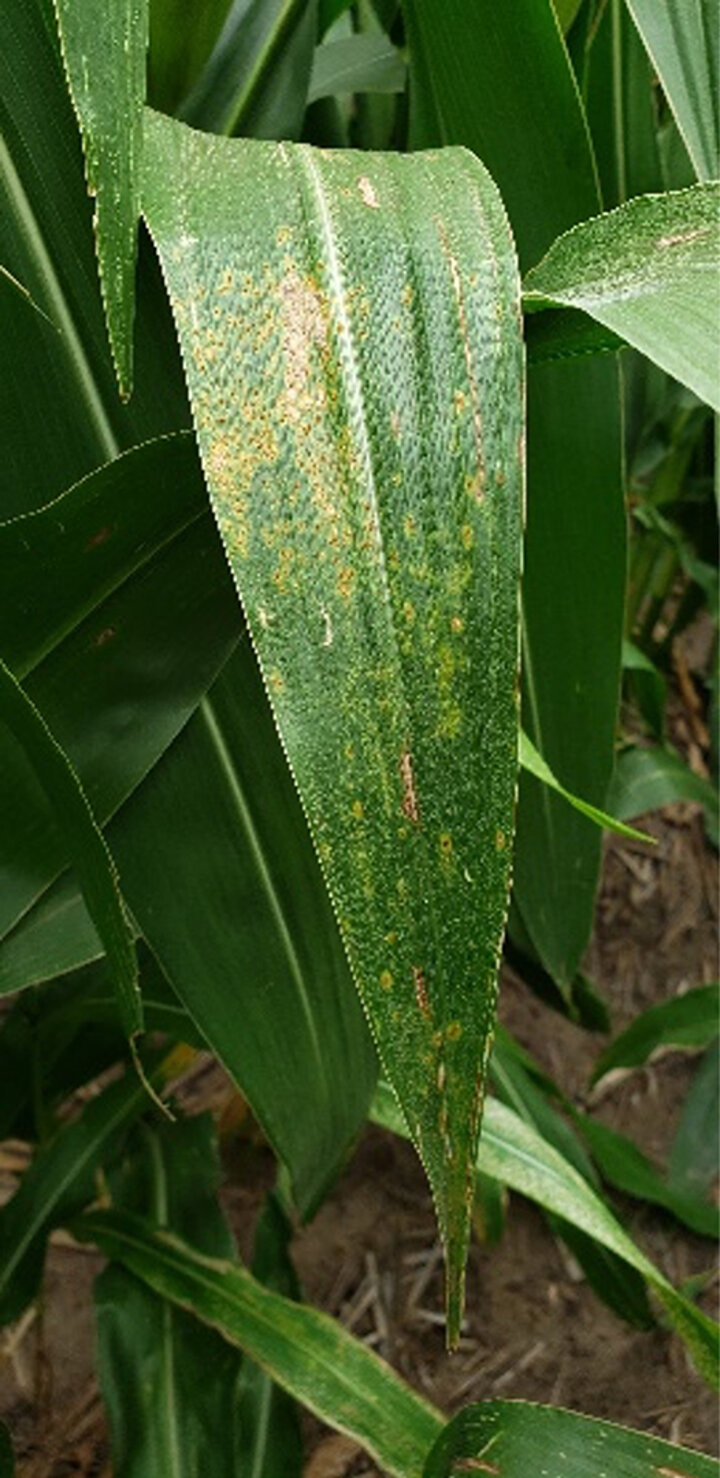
(104, 49)
(370, 504)
(640, 271)
(682, 43)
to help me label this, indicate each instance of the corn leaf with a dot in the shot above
(647, 779)
(693, 1165)
(641, 270)
(529, 129)
(256, 79)
(690, 1020)
(311, 1355)
(516, 1438)
(7, 1461)
(370, 506)
(104, 44)
(367, 63)
(87, 848)
(683, 43)
(60, 1181)
(535, 765)
(514, 1153)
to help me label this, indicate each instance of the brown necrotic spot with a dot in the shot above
(421, 995)
(410, 805)
(99, 538)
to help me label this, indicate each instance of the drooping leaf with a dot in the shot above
(515, 1154)
(117, 610)
(640, 271)
(367, 63)
(60, 413)
(169, 1383)
(385, 591)
(623, 1165)
(255, 82)
(57, 1185)
(270, 1440)
(87, 849)
(647, 779)
(694, 1156)
(311, 1355)
(518, 1438)
(535, 765)
(104, 47)
(683, 46)
(528, 127)
(690, 1020)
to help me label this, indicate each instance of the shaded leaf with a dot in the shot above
(642, 269)
(256, 80)
(384, 591)
(647, 685)
(367, 63)
(690, 1020)
(57, 1185)
(647, 779)
(515, 1154)
(270, 1440)
(518, 1438)
(623, 1165)
(311, 1355)
(683, 46)
(693, 1162)
(88, 851)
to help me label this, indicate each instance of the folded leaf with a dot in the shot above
(518, 1438)
(640, 271)
(308, 1353)
(104, 45)
(350, 331)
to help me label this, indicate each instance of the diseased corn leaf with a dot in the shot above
(642, 270)
(87, 849)
(682, 38)
(307, 1352)
(690, 1020)
(104, 43)
(513, 1152)
(518, 1438)
(350, 331)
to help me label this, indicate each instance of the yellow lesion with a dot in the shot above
(386, 980)
(357, 810)
(453, 1031)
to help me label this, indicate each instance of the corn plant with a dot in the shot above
(265, 655)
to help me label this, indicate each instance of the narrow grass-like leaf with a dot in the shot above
(515, 1154)
(690, 1020)
(350, 331)
(683, 43)
(640, 271)
(623, 1165)
(367, 63)
(534, 763)
(87, 848)
(256, 79)
(270, 1440)
(647, 779)
(517, 1438)
(695, 1154)
(57, 1185)
(311, 1355)
(104, 45)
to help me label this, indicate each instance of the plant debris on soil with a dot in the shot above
(533, 1328)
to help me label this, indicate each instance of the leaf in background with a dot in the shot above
(7, 1461)
(104, 48)
(311, 1355)
(535, 765)
(641, 270)
(60, 413)
(117, 609)
(59, 1182)
(270, 1441)
(515, 1154)
(519, 1438)
(528, 127)
(623, 1165)
(169, 1384)
(683, 44)
(370, 505)
(690, 1020)
(180, 44)
(87, 849)
(647, 779)
(367, 63)
(256, 80)
(693, 1162)
(647, 686)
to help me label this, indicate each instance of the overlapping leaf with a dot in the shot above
(350, 332)
(683, 43)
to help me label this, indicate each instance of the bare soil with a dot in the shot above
(534, 1328)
